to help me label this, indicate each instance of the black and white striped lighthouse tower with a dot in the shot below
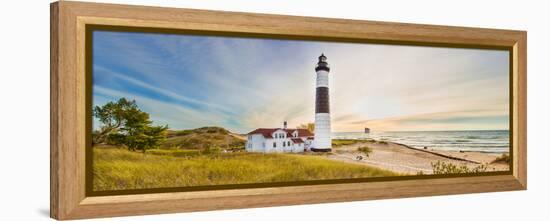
(322, 141)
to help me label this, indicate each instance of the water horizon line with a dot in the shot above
(393, 131)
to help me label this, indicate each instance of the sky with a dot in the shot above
(241, 84)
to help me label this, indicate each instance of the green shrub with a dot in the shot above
(211, 150)
(365, 149)
(183, 132)
(441, 167)
(504, 158)
(343, 142)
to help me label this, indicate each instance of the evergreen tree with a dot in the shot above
(123, 123)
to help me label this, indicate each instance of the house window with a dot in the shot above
(289, 143)
(274, 144)
(284, 144)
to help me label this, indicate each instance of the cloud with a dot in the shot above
(244, 83)
(462, 120)
(158, 90)
(162, 113)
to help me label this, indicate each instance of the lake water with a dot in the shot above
(490, 141)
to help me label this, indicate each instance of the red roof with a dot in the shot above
(301, 132)
(267, 132)
(297, 140)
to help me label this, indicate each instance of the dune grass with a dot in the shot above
(175, 153)
(504, 158)
(202, 138)
(120, 169)
(365, 149)
(441, 167)
(344, 142)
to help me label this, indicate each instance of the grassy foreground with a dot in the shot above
(120, 169)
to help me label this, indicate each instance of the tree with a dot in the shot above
(309, 126)
(148, 137)
(123, 123)
(112, 117)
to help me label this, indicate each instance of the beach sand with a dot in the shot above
(407, 160)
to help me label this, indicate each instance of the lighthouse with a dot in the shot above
(322, 141)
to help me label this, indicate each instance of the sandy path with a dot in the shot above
(405, 160)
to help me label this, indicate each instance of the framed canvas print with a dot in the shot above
(160, 110)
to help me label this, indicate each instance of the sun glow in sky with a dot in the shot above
(243, 83)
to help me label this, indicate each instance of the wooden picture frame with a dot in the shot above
(69, 122)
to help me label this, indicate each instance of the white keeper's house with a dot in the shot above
(279, 140)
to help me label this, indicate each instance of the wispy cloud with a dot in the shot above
(475, 119)
(243, 84)
(129, 80)
(162, 113)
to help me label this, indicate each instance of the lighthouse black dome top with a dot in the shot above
(322, 64)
